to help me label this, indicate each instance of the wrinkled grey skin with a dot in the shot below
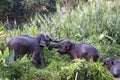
(112, 64)
(83, 50)
(25, 44)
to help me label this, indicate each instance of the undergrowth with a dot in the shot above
(97, 23)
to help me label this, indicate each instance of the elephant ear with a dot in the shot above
(40, 39)
(68, 45)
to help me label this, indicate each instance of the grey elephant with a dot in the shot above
(26, 44)
(113, 65)
(82, 50)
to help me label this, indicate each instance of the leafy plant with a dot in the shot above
(96, 23)
(83, 70)
(2, 38)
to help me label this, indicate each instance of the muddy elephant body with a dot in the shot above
(83, 50)
(113, 65)
(25, 44)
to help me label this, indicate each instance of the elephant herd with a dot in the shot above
(26, 44)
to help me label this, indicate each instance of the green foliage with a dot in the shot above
(88, 23)
(15, 69)
(5, 8)
(96, 23)
(70, 4)
(2, 38)
(83, 70)
(20, 11)
(57, 68)
(1, 32)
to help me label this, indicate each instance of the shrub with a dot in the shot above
(58, 68)
(96, 23)
(83, 70)
(2, 38)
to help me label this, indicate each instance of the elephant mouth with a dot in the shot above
(42, 45)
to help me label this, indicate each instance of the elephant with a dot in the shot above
(82, 50)
(113, 65)
(25, 44)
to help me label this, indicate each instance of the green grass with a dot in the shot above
(97, 23)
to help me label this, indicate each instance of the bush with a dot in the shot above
(57, 68)
(2, 38)
(82, 70)
(96, 23)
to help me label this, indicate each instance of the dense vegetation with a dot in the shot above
(97, 23)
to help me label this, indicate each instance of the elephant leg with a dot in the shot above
(95, 58)
(16, 54)
(38, 58)
(86, 56)
(41, 60)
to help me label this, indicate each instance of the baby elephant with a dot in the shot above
(25, 44)
(112, 64)
(83, 50)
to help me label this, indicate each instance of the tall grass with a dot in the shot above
(96, 23)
